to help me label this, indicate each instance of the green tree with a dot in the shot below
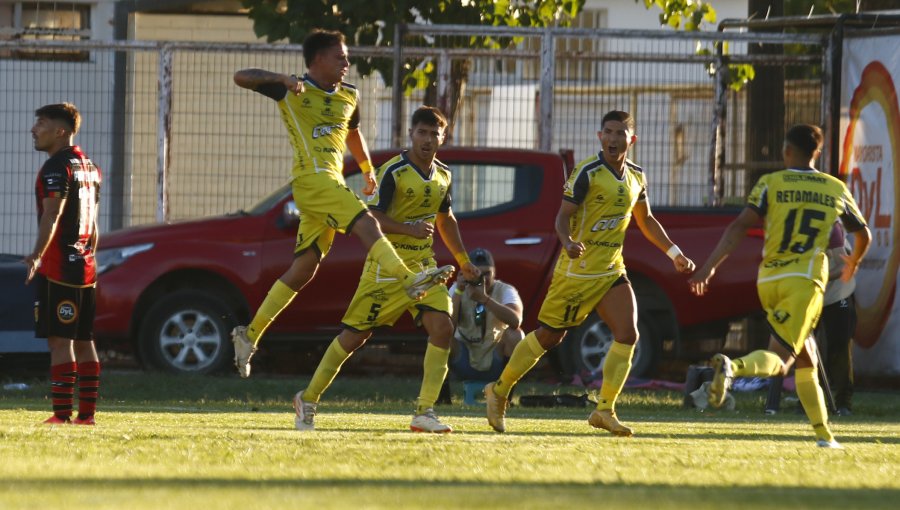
(373, 22)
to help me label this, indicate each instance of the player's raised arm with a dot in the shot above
(656, 234)
(259, 80)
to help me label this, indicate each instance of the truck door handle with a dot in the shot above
(520, 241)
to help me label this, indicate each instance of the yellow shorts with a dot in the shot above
(570, 300)
(792, 306)
(326, 206)
(381, 303)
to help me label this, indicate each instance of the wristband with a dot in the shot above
(366, 166)
(462, 258)
(458, 291)
(674, 251)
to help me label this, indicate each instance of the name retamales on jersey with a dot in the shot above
(797, 235)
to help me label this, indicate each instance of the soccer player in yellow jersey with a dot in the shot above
(799, 205)
(413, 200)
(599, 200)
(321, 115)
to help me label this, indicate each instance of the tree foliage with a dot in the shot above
(373, 22)
(688, 15)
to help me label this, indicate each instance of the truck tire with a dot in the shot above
(187, 332)
(584, 349)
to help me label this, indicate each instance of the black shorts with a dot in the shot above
(63, 311)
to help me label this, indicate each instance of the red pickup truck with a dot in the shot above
(173, 292)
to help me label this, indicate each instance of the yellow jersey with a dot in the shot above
(605, 201)
(317, 122)
(800, 206)
(408, 194)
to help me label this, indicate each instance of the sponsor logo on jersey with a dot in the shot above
(324, 130)
(66, 312)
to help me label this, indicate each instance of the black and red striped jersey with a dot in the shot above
(69, 174)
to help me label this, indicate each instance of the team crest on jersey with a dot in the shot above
(621, 190)
(410, 193)
(379, 296)
(306, 102)
(427, 191)
(781, 316)
(66, 312)
(327, 100)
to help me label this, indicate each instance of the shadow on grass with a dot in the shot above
(522, 494)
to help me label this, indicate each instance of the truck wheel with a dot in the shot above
(584, 349)
(187, 332)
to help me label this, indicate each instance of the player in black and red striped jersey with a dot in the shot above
(62, 263)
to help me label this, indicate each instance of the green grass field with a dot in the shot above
(209, 443)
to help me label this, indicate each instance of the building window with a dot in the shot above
(56, 21)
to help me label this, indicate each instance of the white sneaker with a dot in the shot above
(824, 443)
(418, 287)
(305, 413)
(243, 350)
(428, 422)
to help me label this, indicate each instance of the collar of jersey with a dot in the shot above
(312, 82)
(409, 162)
(613, 172)
(803, 169)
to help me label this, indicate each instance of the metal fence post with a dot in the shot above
(397, 88)
(163, 134)
(548, 77)
(717, 145)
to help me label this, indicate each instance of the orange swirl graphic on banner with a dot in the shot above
(876, 86)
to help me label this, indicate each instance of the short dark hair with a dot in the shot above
(429, 115)
(319, 40)
(805, 137)
(66, 112)
(620, 116)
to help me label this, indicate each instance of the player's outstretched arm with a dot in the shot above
(656, 234)
(731, 238)
(862, 240)
(448, 228)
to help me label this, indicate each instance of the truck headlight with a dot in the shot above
(112, 257)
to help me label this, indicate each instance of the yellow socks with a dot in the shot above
(435, 370)
(758, 364)
(615, 372)
(813, 401)
(524, 356)
(328, 368)
(279, 296)
(384, 253)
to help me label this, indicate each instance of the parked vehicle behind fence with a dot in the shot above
(173, 292)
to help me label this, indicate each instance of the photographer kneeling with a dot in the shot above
(487, 315)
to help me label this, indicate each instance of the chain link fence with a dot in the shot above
(177, 139)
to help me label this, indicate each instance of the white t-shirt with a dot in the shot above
(482, 339)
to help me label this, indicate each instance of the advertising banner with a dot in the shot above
(870, 147)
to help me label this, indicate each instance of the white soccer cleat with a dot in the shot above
(496, 408)
(721, 382)
(305, 413)
(824, 443)
(418, 287)
(243, 350)
(428, 422)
